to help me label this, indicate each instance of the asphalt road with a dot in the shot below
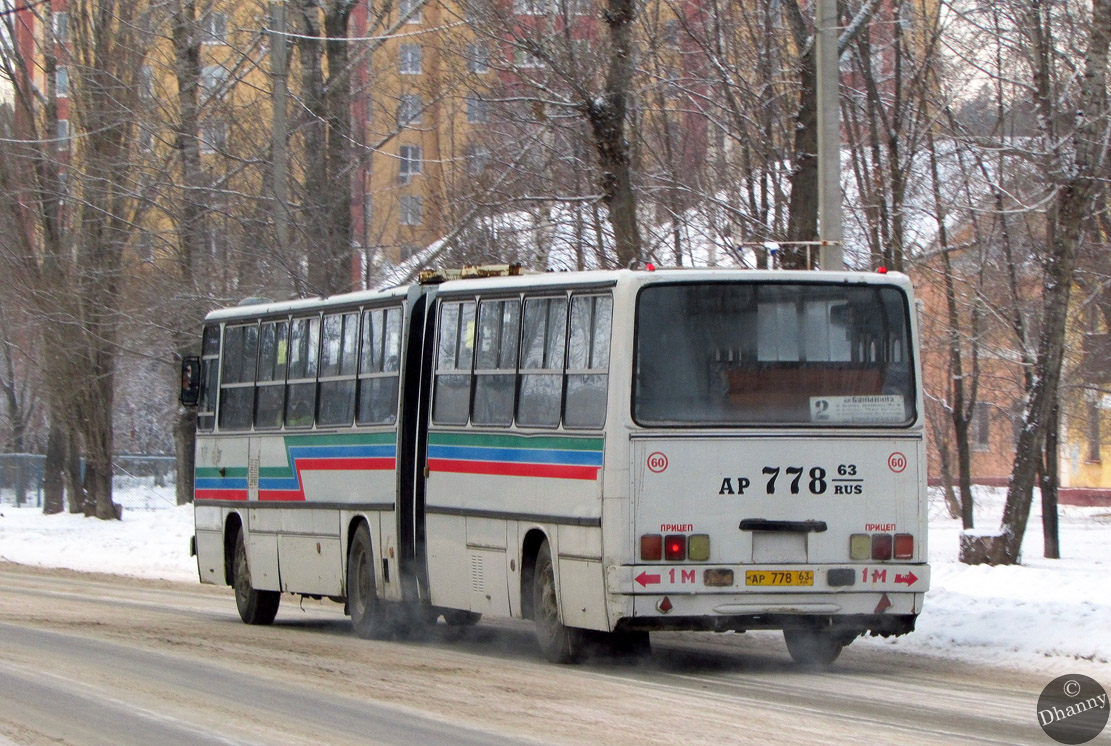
(90, 660)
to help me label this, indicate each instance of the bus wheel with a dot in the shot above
(362, 594)
(255, 606)
(813, 647)
(560, 644)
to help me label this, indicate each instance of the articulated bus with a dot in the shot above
(605, 453)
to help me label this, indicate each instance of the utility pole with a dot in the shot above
(831, 257)
(278, 133)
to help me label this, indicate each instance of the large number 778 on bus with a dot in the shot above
(607, 454)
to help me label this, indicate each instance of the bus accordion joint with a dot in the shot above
(795, 527)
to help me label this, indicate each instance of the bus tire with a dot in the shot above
(813, 647)
(367, 613)
(559, 643)
(255, 606)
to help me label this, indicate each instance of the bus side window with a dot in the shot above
(210, 358)
(237, 377)
(379, 364)
(543, 344)
(338, 355)
(454, 354)
(270, 389)
(588, 361)
(496, 362)
(300, 400)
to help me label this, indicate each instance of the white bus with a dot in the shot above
(605, 453)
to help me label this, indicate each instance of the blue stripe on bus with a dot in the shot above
(221, 484)
(516, 455)
(346, 451)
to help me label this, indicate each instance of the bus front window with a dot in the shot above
(719, 354)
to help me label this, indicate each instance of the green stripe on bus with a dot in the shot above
(505, 440)
(342, 439)
(224, 472)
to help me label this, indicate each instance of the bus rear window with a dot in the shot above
(754, 354)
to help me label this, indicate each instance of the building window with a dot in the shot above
(532, 7)
(409, 110)
(410, 10)
(474, 11)
(671, 33)
(1094, 437)
(410, 59)
(63, 134)
(146, 248)
(478, 58)
(410, 165)
(478, 110)
(146, 83)
(214, 28)
(213, 78)
(525, 59)
(61, 82)
(412, 208)
(979, 431)
(61, 27)
(146, 138)
(214, 136)
(478, 158)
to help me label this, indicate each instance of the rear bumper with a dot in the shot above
(846, 626)
(640, 580)
(882, 599)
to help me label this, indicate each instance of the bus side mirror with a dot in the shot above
(190, 381)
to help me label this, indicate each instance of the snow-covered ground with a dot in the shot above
(1051, 615)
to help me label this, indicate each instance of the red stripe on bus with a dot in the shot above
(283, 495)
(510, 469)
(221, 494)
(346, 464)
(325, 464)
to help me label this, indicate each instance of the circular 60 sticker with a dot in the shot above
(657, 462)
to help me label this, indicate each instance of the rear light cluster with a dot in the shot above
(675, 547)
(881, 546)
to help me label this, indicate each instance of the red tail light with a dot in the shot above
(882, 546)
(651, 547)
(904, 546)
(675, 547)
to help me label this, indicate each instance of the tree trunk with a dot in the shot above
(1050, 483)
(802, 212)
(75, 479)
(1079, 177)
(606, 115)
(53, 491)
(952, 504)
(327, 134)
(185, 438)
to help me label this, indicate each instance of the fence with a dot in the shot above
(21, 474)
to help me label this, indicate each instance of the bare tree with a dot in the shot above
(74, 207)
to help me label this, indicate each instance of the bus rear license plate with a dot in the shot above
(779, 577)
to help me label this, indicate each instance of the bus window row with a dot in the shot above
(535, 362)
(331, 371)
